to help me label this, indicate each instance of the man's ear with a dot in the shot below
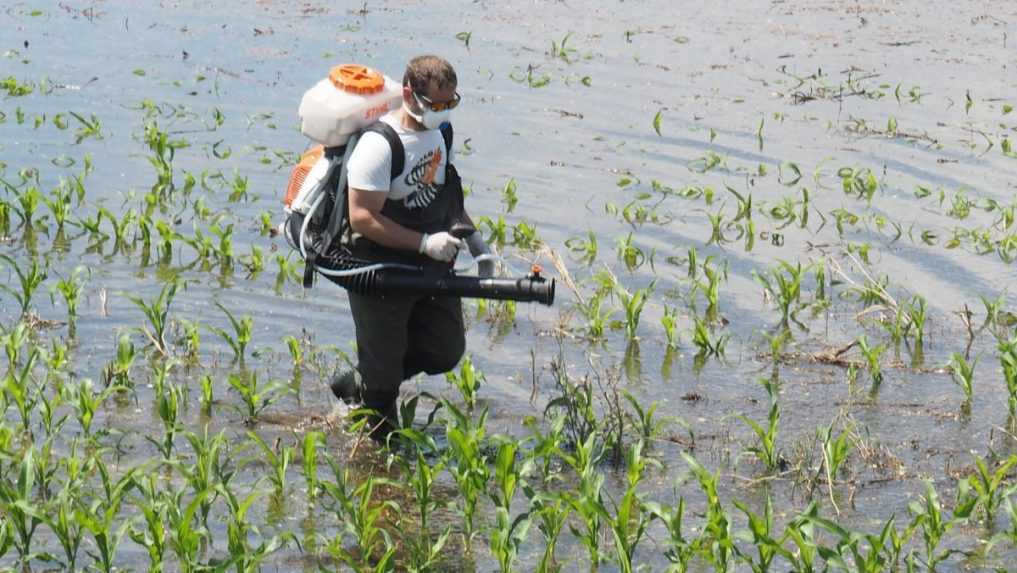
(407, 93)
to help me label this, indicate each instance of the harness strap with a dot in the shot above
(395, 144)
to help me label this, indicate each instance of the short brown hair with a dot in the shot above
(422, 71)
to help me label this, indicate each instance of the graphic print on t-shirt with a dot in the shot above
(421, 179)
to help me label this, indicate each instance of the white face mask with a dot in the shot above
(429, 119)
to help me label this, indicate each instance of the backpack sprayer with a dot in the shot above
(333, 113)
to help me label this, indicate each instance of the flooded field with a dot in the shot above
(784, 338)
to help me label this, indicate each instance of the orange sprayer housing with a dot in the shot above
(300, 171)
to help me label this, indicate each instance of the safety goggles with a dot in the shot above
(425, 101)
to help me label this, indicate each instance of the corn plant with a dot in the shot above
(243, 556)
(784, 285)
(629, 253)
(872, 355)
(168, 403)
(70, 289)
(929, 518)
(157, 313)
(987, 486)
(508, 534)
(468, 381)
(241, 336)
(963, 374)
(710, 287)
(210, 467)
(117, 373)
(23, 391)
(256, 397)
(766, 450)
(705, 342)
(631, 517)
(679, 551)
(425, 552)
(278, 458)
(584, 250)
(716, 542)
(468, 462)
(835, 453)
(633, 304)
(1008, 360)
(597, 314)
(86, 402)
(21, 511)
(587, 501)
(762, 535)
(186, 539)
(61, 521)
(312, 442)
(670, 323)
(206, 398)
(99, 518)
(360, 515)
(28, 281)
(551, 512)
(153, 504)
(916, 309)
(801, 532)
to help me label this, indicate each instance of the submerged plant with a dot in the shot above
(157, 313)
(241, 336)
(765, 449)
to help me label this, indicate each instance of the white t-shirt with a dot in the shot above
(370, 164)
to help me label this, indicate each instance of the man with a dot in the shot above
(406, 216)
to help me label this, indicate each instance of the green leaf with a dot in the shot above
(656, 121)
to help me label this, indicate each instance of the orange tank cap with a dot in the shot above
(357, 79)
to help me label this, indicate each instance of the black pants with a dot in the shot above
(401, 336)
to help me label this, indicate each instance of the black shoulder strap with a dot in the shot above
(446, 134)
(396, 144)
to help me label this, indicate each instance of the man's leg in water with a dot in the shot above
(436, 336)
(382, 325)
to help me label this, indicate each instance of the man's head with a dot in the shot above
(429, 85)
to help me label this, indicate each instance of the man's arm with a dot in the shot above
(366, 219)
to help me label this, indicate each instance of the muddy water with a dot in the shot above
(750, 86)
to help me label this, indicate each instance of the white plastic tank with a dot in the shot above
(348, 100)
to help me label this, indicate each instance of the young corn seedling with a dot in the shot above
(598, 316)
(468, 381)
(70, 289)
(61, 520)
(584, 250)
(705, 342)
(23, 391)
(154, 535)
(278, 458)
(766, 450)
(916, 309)
(508, 534)
(28, 282)
(987, 486)
(630, 254)
(872, 355)
(209, 468)
(241, 332)
(631, 517)
(168, 404)
(117, 374)
(588, 503)
(207, 399)
(360, 515)
(761, 534)
(157, 313)
(186, 539)
(255, 397)
(425, 552)
(468, 462)
(86, 402)
(243, 555)
(929, 518)
(296, 352)
(963, 374)
(1008, 360)
(551, 512)
(680, 550)
(670, 323)
(784, 285)
(312, 442)
(801, 531)
(100, 517)
(22, 514)
(710, 287)
(835, 453)
(716, 543)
